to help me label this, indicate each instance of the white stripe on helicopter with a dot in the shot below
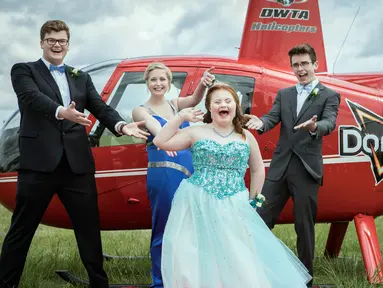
(327, 159)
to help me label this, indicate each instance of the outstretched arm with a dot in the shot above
(29, 93)
(330, 112)
(257, 169)
(96, 105)
(327, 123)
(171, 138)
(109, 116)
(267, 121)
(193, 100)
(141, 114)
(154, 127)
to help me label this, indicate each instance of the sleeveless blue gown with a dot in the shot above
(214, 238)
(165, 173)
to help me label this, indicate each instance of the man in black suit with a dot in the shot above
(55, 155)
(307, 112)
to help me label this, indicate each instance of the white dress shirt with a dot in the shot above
(303, 92)
(62, 83)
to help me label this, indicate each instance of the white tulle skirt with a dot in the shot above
(211, 243)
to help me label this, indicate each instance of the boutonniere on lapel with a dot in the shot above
(74, 72)
(314, 93)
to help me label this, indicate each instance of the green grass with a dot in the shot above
(55, 249)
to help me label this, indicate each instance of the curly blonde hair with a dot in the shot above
(238, 120)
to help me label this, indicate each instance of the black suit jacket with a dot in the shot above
(43, 138)
(308, 147)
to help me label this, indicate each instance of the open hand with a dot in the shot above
(70, 113)
(253, 122)
(132, 129)
(208, 79)
(310, 125)
(191, 114)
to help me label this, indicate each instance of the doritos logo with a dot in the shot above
(365, 139)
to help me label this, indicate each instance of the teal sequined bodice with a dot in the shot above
(220, 168)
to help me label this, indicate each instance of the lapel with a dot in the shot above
(70, 82)
(308, 102)
(43, 70)
(293, 102)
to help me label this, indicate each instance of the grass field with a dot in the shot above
(55, 249)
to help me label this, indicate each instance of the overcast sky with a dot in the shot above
(109, 29)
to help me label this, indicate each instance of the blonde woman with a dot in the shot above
(166, 169)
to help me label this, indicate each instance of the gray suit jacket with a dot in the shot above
(306, 146)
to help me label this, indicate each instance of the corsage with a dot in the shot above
(258, 201)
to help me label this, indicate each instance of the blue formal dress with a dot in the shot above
(214, 238)
(164, 176)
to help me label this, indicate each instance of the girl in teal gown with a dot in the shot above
(213, 237)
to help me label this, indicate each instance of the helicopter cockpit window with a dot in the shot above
(9, 148)
(100, 73)
(244, 86)
(130, 91)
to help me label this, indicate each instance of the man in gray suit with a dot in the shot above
(307, 112)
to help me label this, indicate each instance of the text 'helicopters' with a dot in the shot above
(352, 154)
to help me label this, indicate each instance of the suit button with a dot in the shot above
(63, 133)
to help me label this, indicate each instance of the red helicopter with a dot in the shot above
(352, 152)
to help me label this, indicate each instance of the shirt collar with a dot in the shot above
(48, 63)
(308, 87)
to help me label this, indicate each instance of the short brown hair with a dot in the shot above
(54, 25)
(303, 49)
(238, 120)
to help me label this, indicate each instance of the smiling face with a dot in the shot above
(304, 68)
(158, 82)
(222, 107)
(55, 46)
(222, 103)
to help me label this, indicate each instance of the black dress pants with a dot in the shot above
(34, 192)
(302, 187)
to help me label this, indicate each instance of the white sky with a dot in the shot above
(109, 29)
